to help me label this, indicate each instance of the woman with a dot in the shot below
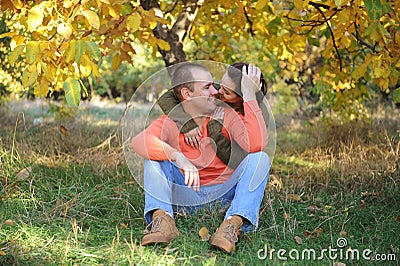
(231, 93)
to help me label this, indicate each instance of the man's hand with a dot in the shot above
(250, 83)
(193, 137)
(190, 171)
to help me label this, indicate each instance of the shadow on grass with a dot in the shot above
(79, 204)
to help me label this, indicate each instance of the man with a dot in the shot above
(178, 175)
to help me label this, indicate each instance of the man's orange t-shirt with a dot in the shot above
(162, 138)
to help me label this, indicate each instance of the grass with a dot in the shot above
(66, 199)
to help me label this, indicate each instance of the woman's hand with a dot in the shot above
(218, 114)
(193, 137)
(250, 83)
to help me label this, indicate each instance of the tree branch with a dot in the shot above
(360, 40)
(317, 6)
(249, 21)
(178, 32)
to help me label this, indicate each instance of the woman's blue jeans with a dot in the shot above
(165, 189)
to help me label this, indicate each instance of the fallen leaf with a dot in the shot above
(123, 226)
(314, 233)
(318, 230)
(24, 173)
(9, 222)
(274, 183)
(204, 234)
(294, 197)
(2, 253)
(298, 240)
(343, 233)
(63, 131)
(286, 216)
(396, 219)
(339, 264)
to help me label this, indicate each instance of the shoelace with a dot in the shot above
(156, 224)
(230, 231)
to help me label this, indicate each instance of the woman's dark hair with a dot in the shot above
(235, 73)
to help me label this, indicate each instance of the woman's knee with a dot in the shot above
(260, 156)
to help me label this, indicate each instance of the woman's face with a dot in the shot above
(227, 90)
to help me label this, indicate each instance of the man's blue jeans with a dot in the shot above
(165, 189)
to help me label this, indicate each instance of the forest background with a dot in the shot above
(333, 73)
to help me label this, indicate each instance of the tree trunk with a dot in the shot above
(177, 33)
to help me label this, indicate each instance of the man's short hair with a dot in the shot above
(182, 76)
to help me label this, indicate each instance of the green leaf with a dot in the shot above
(313, 41)
(93, 49)
(126, 9)
(274, 25)
(79, 48)
(396, 95)
(374, 8)
(15, 53)
(32, 51)
(72, 90)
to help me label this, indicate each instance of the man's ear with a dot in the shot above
(186, 94)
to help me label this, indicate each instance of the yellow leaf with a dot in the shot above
(298, 4)
(112, 12)
(204, 234)
(35, 17)
(340, 3)
(85, 67)
(92, 18)
(116, 61)
(261, 4)
(69, 3)
(360, 71)
(163, 45)
(64, 29)
(42, 89)
(7, 34)
(15, 53)
(32, 51)
(95, 70)
(18, 4)
(46, 71)
(29, 76)
(18, 39)
(2, 253)
(70, 53)
(133, 22)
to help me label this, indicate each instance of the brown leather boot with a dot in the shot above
(227, 234)
(163, 229)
